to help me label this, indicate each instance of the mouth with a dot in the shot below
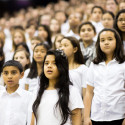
(10, 81)
(49, 71)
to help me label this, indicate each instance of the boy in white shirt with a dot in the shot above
(14, 101)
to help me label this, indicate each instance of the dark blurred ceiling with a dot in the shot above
(14, 5)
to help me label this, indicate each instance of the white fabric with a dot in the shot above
(33, 83)
(49, 115)
(2, 87)
(14, 108)
(9, 55)
(65, 28)
(1, 80)
(78, 77)
(98, 26)
(71, 33)
(109, 90)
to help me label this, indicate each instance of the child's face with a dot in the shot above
(58, 42)
(18, 38)
(111, 6)
(50, 68)
(96, 15)
(39, 54)
(68, 48)
(107, 42)
(54, 26)
(42, 33)
(107, 20)
(21, 57)
(33, 43)
(121, 22)
(87, 33)
(11, 76)
(122, 6)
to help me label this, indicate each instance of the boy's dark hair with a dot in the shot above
(99, 7)
(116, 21)
(87, 23)
(118, 53)
(62, 85)
(13, 63)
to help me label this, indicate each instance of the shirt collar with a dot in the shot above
(17, 92)
(112, 61)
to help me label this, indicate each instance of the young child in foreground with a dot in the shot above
(14, 101)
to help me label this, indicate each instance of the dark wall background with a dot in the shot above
(13, 5)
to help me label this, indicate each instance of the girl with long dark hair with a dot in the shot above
(57, 101)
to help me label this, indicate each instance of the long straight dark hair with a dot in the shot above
(62, 85)
(118, 53)
(33, 69)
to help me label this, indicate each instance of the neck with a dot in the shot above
(52, 83)
(12, 89)
(39, 68)
(108, 58)
(123, 36)
(75, 29)
(72, 63)
(87, 43)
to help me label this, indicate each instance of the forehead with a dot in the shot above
(50, 58)
(10, 68)
(20, 53)
(107, 15)
(86, 26)
(107, 34)
(122, 15)
(66, 41)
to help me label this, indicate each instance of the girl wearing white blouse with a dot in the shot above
(105, 94)
(57, 102)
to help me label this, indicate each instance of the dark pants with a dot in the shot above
(115, 122)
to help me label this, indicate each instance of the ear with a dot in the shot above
(28, 61)
(75, 49)
(22, 74)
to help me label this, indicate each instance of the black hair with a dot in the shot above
(87, 23)
(118, 53)
(24, 45)
(13, 63)
(109, 12)
(3, 59)
(99, 7)
(48, 40)
(62, 85)
(78, 57)
(33, 69)
(116, 20)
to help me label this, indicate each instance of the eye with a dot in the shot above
(5, 73)
(13, 72)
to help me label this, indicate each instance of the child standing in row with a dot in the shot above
(14, 101)
(105, 94)
(57, 102)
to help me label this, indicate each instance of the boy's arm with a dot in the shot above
(76, 117)
(88, 102)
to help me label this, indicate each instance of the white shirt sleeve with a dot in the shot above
(90, 75)
(75, 99)
(84, 75)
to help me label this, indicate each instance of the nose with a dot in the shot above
(9, 76)
(106, 42)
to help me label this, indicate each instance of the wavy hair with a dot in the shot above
(62, 85)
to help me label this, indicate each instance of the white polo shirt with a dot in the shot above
(108, 102)
(14, 108)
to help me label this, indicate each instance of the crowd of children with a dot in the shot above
(63, 64)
